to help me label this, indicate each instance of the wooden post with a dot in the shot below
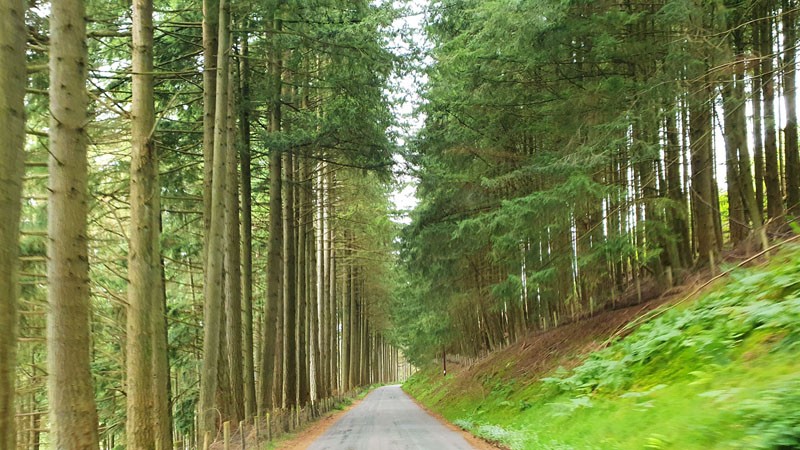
(258, 431)
(226, 435)
(241, 433)
(269, 428)
(712, 263)
(206, 440)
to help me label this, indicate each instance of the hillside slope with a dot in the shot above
(717, 371)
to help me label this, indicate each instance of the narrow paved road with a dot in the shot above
(387, 419)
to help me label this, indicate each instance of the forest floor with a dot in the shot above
(712, 364)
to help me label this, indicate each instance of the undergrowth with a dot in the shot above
(718, 372)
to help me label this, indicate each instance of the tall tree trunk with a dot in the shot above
(325, 353)
(675, 190)
(790, 98)
(771, 173)
(334, 338)
(749, 201)
(212, 289)
(144, 262)
(275, 277)
(223, 404)
(303, 383)
(354, 316)
(702, 172)
(347, 294)
(233, 278)
(733, 137)
(162, 414)
(12, 158)
(758, 135)
(289, 390)
(247, 232)
(210, 46)
(73, 414)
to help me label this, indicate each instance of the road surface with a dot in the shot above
(387, 419)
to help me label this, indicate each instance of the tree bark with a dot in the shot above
(73, 414)
(771, 173)
(233, 260)
(334, 337)
(212, 289)
(210, 46)
(12, 158)
(758, 135)
(346, 312)
(266, 399)
(289, 390)
(792, 157)
(700, 130)
(733, 137)
(247, 233)
(144, 262)
(303, 385)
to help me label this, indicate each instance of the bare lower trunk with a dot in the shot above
(289, 390)
(12, 157)
(144, 265)
(213, 289)
(247, 236)
(790, 98)
(702, 173)
(233, 278)
(73, 415)
(266, 396)
(771, 172)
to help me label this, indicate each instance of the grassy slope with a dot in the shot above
(720, 371)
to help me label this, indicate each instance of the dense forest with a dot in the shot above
(199, 192)
(196, 193)
(581, 155)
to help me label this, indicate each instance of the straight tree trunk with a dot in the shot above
(702, 172)
(324, 366)
(289, 391)
(792, 157)
(758, 135)
(162, 414)
(144, 262)
(354, 316)
(212, 289)
(233, 260)
(752, 208)
(771, 173)
(334, 338)
(314, 306)
(12, 158)
(73, 414)
(675, 190)
(346, 313)
(210, 46)
(247, 233)
(733, 136)
(303, 384)
(266, 398)
(223, 404)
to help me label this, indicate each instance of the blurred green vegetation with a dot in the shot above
(717, 372)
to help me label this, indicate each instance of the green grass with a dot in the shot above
(721, 372)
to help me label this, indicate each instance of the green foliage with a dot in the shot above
(718, 372)
(773, 420)
(710, 332)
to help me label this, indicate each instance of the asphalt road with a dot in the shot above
(388, 419)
